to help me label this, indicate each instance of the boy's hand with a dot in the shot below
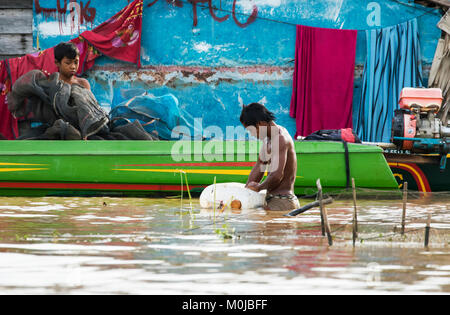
(253, 186)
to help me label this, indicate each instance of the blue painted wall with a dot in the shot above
(213, 67)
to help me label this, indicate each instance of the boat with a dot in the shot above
(422, 172)
(149, 168)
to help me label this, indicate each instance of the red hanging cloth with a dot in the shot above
(120, 36)
(323, 79)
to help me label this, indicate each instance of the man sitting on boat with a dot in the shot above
(277, 156)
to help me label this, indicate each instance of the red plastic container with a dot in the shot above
(427, 99)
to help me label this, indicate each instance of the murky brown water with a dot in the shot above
(149, 246)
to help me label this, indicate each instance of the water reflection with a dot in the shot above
(134, 246)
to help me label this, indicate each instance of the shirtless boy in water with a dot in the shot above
(277, 156)
(67, 59)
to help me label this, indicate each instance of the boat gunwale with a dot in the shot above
(157, 154)
(354, 148)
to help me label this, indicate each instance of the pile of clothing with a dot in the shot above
(65, 112)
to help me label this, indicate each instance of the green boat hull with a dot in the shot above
(143, 168)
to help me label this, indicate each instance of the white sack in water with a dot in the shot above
(228, 192)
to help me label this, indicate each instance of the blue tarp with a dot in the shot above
(160, 116)
(393, 62)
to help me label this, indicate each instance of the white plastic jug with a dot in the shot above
(226, 193)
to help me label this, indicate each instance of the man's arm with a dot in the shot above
(256, 174)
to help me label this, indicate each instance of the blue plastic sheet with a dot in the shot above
(160, 116)
(393, 62)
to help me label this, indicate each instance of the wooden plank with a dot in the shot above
(443, 3)
(16, 44)
(16, 21)
(16, 4)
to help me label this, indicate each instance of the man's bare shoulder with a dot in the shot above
(288, 136)
(285, 138)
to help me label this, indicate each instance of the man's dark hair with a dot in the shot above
(68, 50)
(256, 113)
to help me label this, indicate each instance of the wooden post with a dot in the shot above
(324, 214)
(327, 226)
(320, 196)
(405, 200)
(355, 214)
(427, 230)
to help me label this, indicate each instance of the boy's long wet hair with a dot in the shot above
(68, 50)
(256, 113)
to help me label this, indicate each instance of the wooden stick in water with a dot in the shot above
(324, 213)
(327, 226)
(355, 214)
(427, 230)
(320, 196)
(309, 206)
(405, 200)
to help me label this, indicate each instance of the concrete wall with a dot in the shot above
(215, 58)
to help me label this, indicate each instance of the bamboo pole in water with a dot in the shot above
(320, 197)
(427, 230)
(324, 214)
(405, 200)
(355, 214)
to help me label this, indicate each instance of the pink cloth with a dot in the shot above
(42, 60)
(323, 79)
(8, 124)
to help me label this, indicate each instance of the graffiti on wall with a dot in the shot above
(180, 4)
(78, 12)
